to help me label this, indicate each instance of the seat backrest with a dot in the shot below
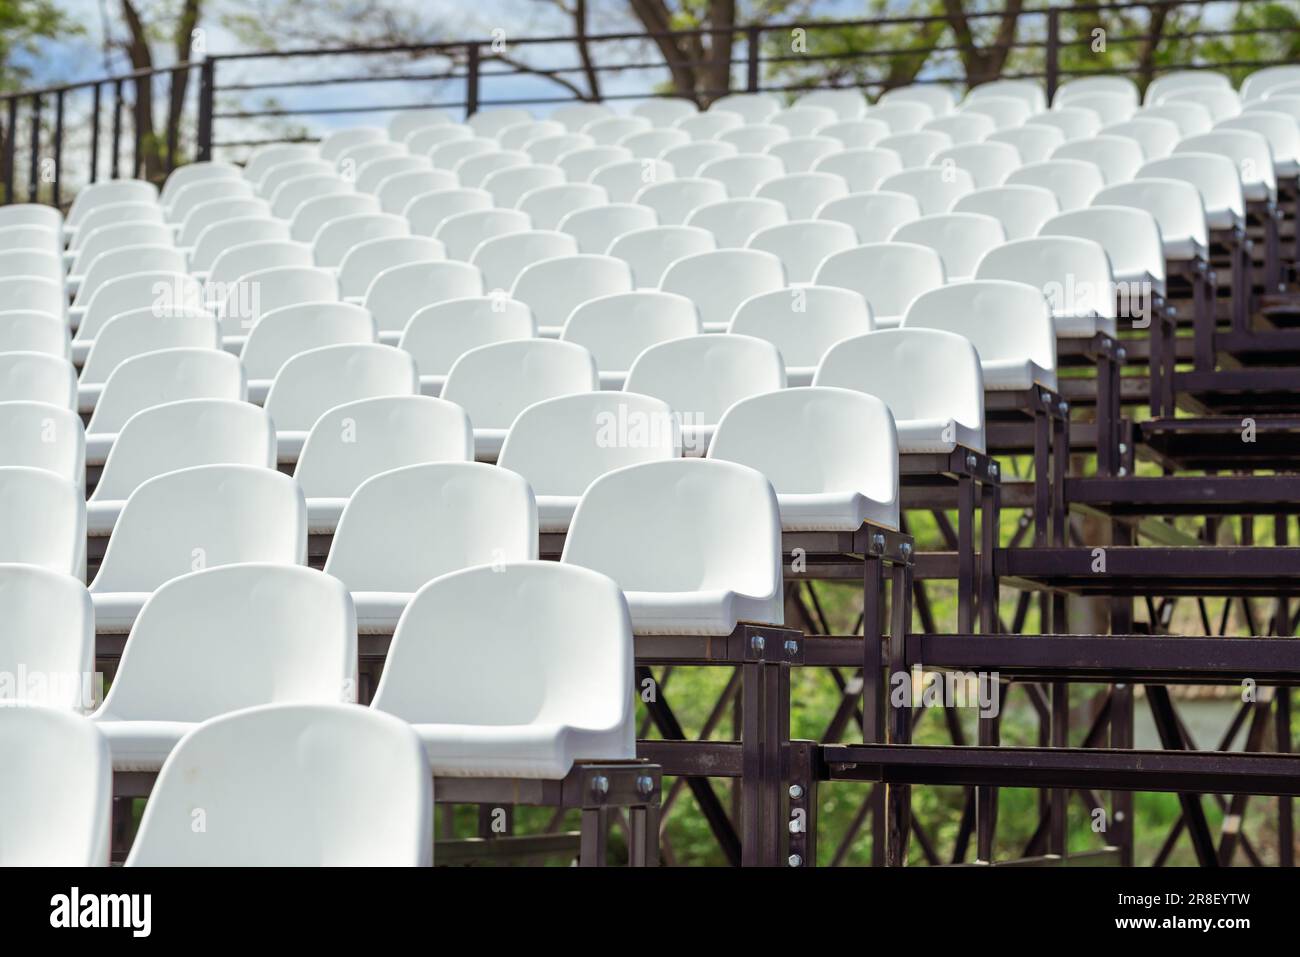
(814, 440)
(648, 144)
(802, 194)
(934, 188)
(396, 190)
(517, 135)
(300, 784)
(687, 159)
(240, 260)
(755, 138)
(256, 293)
(184, 434)
(202, 517)
(616, 329)
(219, 210)
(665, 111)
(699, 525)
(111, 215)
(921, 374)
(373, 173)
(1073, 182)
(553, 288)
(449, 154)
(1071, 272)
(427, 211)
(1109, 107)
(960, 239)
(35, 236)
(356, 440)
(218, 237)
(610, 130)
(283, 333)
(508, 185)
(548, 206)
(333, 145)
(282, 173)
(650, 251)
(290, 195)
(720, 281)
(117, 236)
(1155, 136)
(314, 214)
(30, 330)
(741, 175)
(462, 233)
(901, 117)
(204, 191)
(1004, 320)
(1020, 209)
(888, 275)
(236, 636)
(575, 669)
(1190, 79)
(127, 261)
(1175, 204)
(440, 334)
(264, 158)
(803, 245)
(399, 292)
(709, 125)
(33, 293)
(1007, 112)
(42, 520)
(336, 238)
(1279, 128)
(856, 133)
(1028, 91)
(622, 180)
(167, 375)
(733, 221)
(846, 104)
(45, 263)
(1222, 101)
(700, 377)
(964, 127)
(939, 99)
(872, 215)
(110, 191)
(575, 116)
(1214, 176)
(474, 170)
(38, 377)
(803, 322)
(32, 214)
(313, 382)
(407, 526)
(580, 164)
(1034, 142)
(366, 260)
(674, 201)
(503, 258)
(39, 435)
(495, 382)
(562, 445)
(1078, 87)
(989, 164)
(172, 291)
(916, 147)
(597, 227)
(800, 154)
(1190, 118)
(1259, 83)
(403, 124)
(804, 119)
(1131, 238)
(1118, 157)
(57, 795)
(47, 648)
(132, 333)
(493, 121)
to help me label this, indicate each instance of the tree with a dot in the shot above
(23, 24)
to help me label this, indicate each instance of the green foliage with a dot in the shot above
(23, 23)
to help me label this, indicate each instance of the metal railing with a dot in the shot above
(470, 73)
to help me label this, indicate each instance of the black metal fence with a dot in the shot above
(108, 121)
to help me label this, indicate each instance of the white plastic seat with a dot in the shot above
(623, 180)
(218, 211)
(574, 116)
(254, 294)
(509, 185)
(1189, 79)
(1071, 272)
(357, 440)
(502, 258)
(1021, 210)
(276, 176)
(1009, 324)
(830, 454)
(351, 160)
(397, 189)
(218, 237)
(1214, 176)
(313, 382)
(858, 133)
(57, 795)
(1190, 118)
(562, 445)
(47, 651)
(1118, 157)
(38, 377)
(42, 263)
(720, 281)
(1259, 84)
(803, 324)
(1155, 136)
(1109, 107)
(42, 521)
(553, 288)
(105, 239)
(915, 148)
(548, 206)
(929, 378)
(406, 122)
(104, 193)
(695, 544)
(32, 214)
(1030, 92)
(494, 383)
(177, 435)
(566, 698)
(153, 378)
(802, 194)
(902, 116)
(159, 291)
(752, 107)
(32, 236)
(284, 332)
(610, 130)
(427, 211)
(240, 260)
(335, 144)
(1078, 87)
(449, 154)
(222, 639)
(888, 275)
(700, 377)
(1280, 129)
(30, 330)
(475, 170)
(804, 119)
(398, 293)
(517, 135)
(366, 260)
(265, 158)
(960, 239)
(193, 518)
(1176, 206)
(755, 138)
(205, 191)
(132, 333)
(1034, 142)
(1073, 182)
(800, 154)
(989, 164)
(616, 329)
(403, 528)
(336, 238)
(113, 214)
(1288, 105)
(127, 261)
(292, 194)
(964, 127)
(674, 201)
(935, 189)
(688, 159)
(1006, 112)
(802, 245)
(580, 164)
(39, 435)
(1130, 237)
(1222, 102)
(872, 215)
(665, 111)
(549, 149)
(597, 227)
(741, 175)
(649, 252)
(292, 785)
(846, 104)
(461, 233)
(733, 221)
(439, 334)
(493, 121)
(935, 96)
(1075, 123)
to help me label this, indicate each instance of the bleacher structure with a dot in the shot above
(404, 467)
